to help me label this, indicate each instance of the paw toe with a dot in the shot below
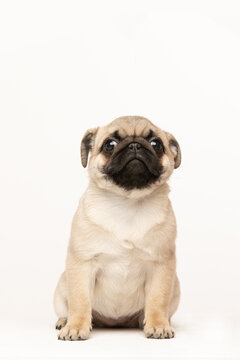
(60, 323)
(73, 334)
(159, 332)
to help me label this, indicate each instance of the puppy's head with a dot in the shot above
(130, 154)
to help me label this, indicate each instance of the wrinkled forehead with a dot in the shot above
(129, 126)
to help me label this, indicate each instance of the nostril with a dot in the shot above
(134, 146)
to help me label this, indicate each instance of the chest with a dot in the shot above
(126, 220)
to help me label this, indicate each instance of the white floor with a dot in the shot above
(197, 337)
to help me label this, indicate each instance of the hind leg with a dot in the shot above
(60, 302)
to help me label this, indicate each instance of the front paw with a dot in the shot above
(69, 332)
(158, 331)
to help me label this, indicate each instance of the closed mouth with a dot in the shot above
(152, 170)
(135, 158)
(140, 158)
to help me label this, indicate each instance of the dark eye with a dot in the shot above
(110, 145)
(156, 144)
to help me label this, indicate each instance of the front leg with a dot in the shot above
(78, 275)
(158, 293)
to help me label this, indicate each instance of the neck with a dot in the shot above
(136, 195)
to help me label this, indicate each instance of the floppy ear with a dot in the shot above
(87, 145)
(174, 148)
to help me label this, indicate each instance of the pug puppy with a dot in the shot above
(121, 264)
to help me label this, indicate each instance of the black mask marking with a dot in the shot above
(133, 164)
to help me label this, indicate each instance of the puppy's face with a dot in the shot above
(130, 154)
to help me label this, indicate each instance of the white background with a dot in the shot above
(66, 66)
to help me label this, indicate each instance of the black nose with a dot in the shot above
(134, 146)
